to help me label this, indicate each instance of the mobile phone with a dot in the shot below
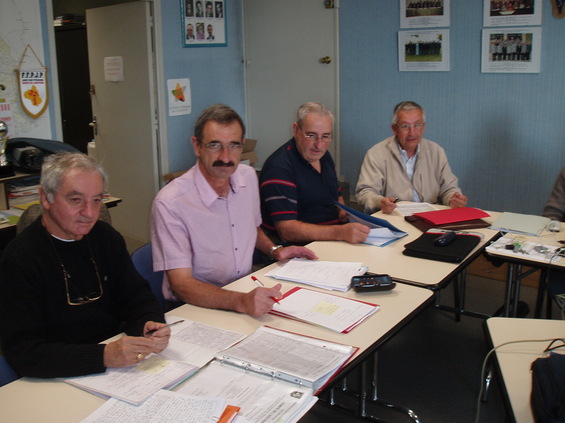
(372, 282)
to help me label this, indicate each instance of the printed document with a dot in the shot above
(163, 407)
(332, 275)
(136, 383)
(330, 311)
(196, 343)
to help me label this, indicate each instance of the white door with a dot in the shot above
(285, 42)
(125, 111)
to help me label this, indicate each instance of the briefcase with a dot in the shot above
(455, 252)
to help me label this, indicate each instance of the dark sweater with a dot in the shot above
(41, 334)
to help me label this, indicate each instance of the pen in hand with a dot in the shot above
(259, 283)
(152, 331)
(395, 200)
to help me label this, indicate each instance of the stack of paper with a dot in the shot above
(326, 310)
(524, 224)
(332, 275)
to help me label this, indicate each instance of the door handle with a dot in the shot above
(326, 60)
(94, 126)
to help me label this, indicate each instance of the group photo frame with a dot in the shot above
(203, 23)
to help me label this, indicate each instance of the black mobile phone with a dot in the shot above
(372, 282)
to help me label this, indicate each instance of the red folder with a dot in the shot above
(446, 216)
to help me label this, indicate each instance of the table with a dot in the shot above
(514, 360)
(515, 273)
(55, 401)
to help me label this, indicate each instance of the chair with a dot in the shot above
(7, 374)
(142, 259)
(35, 210)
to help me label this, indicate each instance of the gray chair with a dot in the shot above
(35, 210)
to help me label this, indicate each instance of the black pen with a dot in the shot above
(395, 200)
(152, 331)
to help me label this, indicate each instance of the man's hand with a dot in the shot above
(457, 200)
(294, 251)
(354, 233)
(130, 350)
(260, 301)
(388, 205)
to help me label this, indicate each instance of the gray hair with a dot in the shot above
(219, 113)
(406, 106)
(56, 166)
(312, 107)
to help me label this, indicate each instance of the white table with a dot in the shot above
(514, 360)
(49, 400)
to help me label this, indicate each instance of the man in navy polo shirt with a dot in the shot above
(299, 186)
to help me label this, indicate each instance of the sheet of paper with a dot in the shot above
(135, 384)
(409, 208)
(261, 398)
(163, 407)
(331, 275)
(196, 343)
(382, 236)
(288, 356)
(330, 311)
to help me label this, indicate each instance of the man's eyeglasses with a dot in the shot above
(311, 136)
(414, 126)
(216, 147)
(81, 298)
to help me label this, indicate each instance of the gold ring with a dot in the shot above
(139, 356)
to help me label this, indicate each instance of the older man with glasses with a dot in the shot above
(407, 167)
(299, 186)
(67, 283)
(206, 223)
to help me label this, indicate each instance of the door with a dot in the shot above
(125, 111)
(285, 44)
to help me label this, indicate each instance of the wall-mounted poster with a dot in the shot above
(203, 23)
(512, 12)
(424, 13)
(426, 50)
(511, 50)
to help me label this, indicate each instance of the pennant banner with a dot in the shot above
(34, 94)
(558, 10)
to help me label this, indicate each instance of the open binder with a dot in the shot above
(272, 375)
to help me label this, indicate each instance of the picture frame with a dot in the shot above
(424, 13)
(512, 13)
(203, 23)
(511, 50)
(423, 50)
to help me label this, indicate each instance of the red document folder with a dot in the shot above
(446, 216)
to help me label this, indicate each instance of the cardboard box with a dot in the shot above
(249, 151)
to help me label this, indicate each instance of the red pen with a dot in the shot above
(259, 283)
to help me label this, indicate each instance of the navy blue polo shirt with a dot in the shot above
(291, 189)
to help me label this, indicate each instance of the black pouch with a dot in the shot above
(548, 389)
(455, 252)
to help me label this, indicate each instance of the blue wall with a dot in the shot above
(503, 133)
(215, 73)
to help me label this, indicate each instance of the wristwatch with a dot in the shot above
(273, 249)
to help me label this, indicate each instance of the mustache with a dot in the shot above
(220, 163)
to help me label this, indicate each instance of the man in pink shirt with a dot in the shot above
(206, 223)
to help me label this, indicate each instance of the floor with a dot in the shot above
(433, 365)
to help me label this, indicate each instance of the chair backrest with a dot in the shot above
(34, 211)
(7, 374)
(142, 259)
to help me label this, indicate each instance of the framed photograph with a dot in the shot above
(426, 50)
(424, 13)
(512, 12)
(203, 23)
(511, 50)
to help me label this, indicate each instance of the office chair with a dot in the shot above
(7, 374)
(34, 211)
(142, 259)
